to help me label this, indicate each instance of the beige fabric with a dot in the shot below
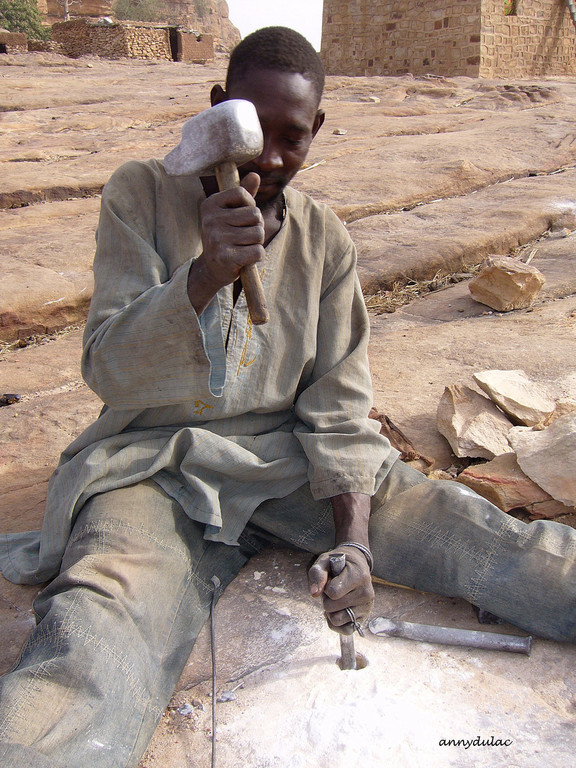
(220, 428)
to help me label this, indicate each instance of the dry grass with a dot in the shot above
(37, 339)
(404, 293)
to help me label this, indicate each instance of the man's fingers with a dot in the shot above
(318, 575)
(358, 597)
(361, 612)
(251, 183)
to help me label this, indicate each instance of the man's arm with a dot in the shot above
(353, 587)
(232, 231)
(145, 344)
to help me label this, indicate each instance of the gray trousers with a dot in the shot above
(116, 627)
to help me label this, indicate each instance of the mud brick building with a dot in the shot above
(13, 42)
(478, 38)
(135, 40)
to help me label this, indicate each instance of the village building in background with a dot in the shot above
(185, 30)
(136, 40)
(13, 42)
(478, 38)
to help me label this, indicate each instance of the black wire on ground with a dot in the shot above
(216, 582)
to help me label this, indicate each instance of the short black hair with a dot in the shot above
(278, 48)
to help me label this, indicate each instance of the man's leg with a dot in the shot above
(440, 537)
(115, 630)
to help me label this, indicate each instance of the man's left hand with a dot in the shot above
(352, 588)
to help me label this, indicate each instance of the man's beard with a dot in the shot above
(274, 203)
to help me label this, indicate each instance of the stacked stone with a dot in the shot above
(395, 37)
(81, 37)
(146, 43)
(46, 46)
(471, 37)
(13, 42)
(539, 39)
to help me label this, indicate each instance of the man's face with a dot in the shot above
(286, 104)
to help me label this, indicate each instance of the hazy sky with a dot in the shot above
(302, 15)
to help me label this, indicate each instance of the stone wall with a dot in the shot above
(81, 37)
(135, 40)
(196, 50)
(539, 39)
(209, 17)
(393, 37)
(470, 37)
(13, 42)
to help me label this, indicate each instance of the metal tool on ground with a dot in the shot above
(470, 638)
(347, 650)
(217, 141)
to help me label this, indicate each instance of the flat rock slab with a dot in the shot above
(407, 141)
(276, 655)
(271, 639)
(396, 711)
(67, 124)
(450, 235)
(46, 252)
(433, 342)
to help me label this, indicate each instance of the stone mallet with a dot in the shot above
(217, 141)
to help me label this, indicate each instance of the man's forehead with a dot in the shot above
(273, 81)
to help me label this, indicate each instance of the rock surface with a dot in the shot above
(506, 284)
(526, 402)
(471, 423)
(503, 170)
(548, 457)
(502, 482)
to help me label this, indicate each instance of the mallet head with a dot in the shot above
(229, 131)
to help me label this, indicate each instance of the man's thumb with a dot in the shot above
(251, 183)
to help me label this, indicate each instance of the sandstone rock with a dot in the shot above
(564, 405)
(549, 509)
(506, 284)
(548, 457)
(473, 425)
(502, 482)
(526, 402)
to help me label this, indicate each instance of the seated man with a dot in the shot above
(217, 436)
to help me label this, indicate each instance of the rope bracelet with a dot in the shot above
(365, 551)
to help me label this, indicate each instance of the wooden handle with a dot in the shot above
(227, 177)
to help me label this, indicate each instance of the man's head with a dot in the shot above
(279, 71)
(279, 49)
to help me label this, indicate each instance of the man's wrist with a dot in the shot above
(351, 517)
(365, 551)
(201, 288)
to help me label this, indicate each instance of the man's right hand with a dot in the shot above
(232, 238)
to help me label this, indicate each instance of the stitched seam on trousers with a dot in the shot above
(69, 629)
(19, 710)
(111, 526)
(450, 542)
(309, 533)
(248, 542)
(487, 563)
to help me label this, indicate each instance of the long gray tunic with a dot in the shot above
(221, 413)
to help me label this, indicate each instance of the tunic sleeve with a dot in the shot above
(144, 345)
(343, 446)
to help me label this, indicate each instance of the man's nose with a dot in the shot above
(270, 159)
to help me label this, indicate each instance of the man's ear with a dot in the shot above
(217, 95)
(318, 122)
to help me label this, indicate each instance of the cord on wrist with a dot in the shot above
(365, 551)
